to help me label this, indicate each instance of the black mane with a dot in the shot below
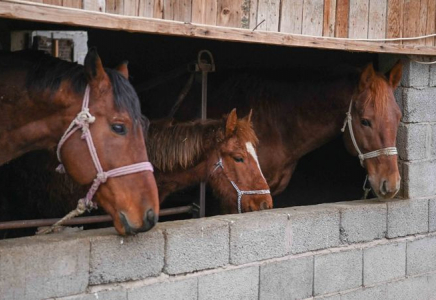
(47, 72)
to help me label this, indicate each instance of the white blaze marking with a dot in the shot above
(252, 151)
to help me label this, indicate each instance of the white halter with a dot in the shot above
(219, 164)
(385, 151)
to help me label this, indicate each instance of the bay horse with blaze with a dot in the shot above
(44, 102)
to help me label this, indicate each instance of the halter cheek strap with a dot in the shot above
(82, 121)
(219, 164)
(384, 151)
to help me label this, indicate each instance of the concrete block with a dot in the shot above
(362, 220)
(412, 141)
(313, 227)
(419, 178)
(432, 215)
(418, 104)
(432, 75)
(333, 297)
(186, 289)
(384, 263)
(398, 94)
(257, 236)
(406, 217)
(432, 141)
(288, 279)
(339, 271)
(431, 279)
(372, 293)
(115, 258)
(105, 295)
(410, 289)
(40, 267)
(415, 74)
(237, 284)
(193, 245)
(421, 256)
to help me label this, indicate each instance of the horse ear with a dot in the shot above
(93, 67)
(232, 119)
(250, 114)
(123, 70)
(395, 74)
(366, 77)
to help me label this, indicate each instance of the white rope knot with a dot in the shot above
(102, 177)
(85, 116)
(61, 169)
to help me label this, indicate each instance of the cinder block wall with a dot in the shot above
(348, 250)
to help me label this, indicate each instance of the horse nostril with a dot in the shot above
(127, 228)
(384, 188)
(150, 219)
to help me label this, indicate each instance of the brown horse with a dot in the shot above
(294, 115)
(220, 152)
(40, 96)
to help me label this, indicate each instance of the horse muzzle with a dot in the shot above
(150, 219)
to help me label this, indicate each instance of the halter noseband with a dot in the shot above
(388, 151)
(219, 164)
(82, 121)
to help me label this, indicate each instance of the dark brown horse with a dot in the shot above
(221, 152)
(39, 98)
(294, 116)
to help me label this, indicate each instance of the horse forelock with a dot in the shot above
(377, 96)
(182, 145)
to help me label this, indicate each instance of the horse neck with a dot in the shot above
(315, 118)
(37, 120)
(180, 178)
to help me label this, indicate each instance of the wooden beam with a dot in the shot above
(14, 9)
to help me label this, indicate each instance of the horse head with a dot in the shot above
(373, 120)
(116, 126)
(236, 176)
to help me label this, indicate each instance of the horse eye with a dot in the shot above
(238, 159)
(119, 129)
(366, 122)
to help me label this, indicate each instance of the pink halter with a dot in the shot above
(82, 121)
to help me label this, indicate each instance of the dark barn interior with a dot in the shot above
(328, 174)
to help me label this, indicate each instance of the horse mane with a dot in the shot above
(47, 72)
(183, 145)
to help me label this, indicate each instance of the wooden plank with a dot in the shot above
(182, 10)
(291, 18)
(342, 16)
(431, 22)
(168, 9)
(411, 19)
(35, 12)
(38, 1)
(268, 10)
(422, 21)
(146, 8)
(377, 19)
(73, 3)
(395, 20)
(53, 2)
(94, 5)
(131, 7)
(229, 13)
(204, 11)
(328, 28)
(358, 22)
(253, 14)
(115, 6)
(313, 11)
(158, 9)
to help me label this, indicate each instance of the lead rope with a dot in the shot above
(82, 121)
(219, 164)
(384, 151)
